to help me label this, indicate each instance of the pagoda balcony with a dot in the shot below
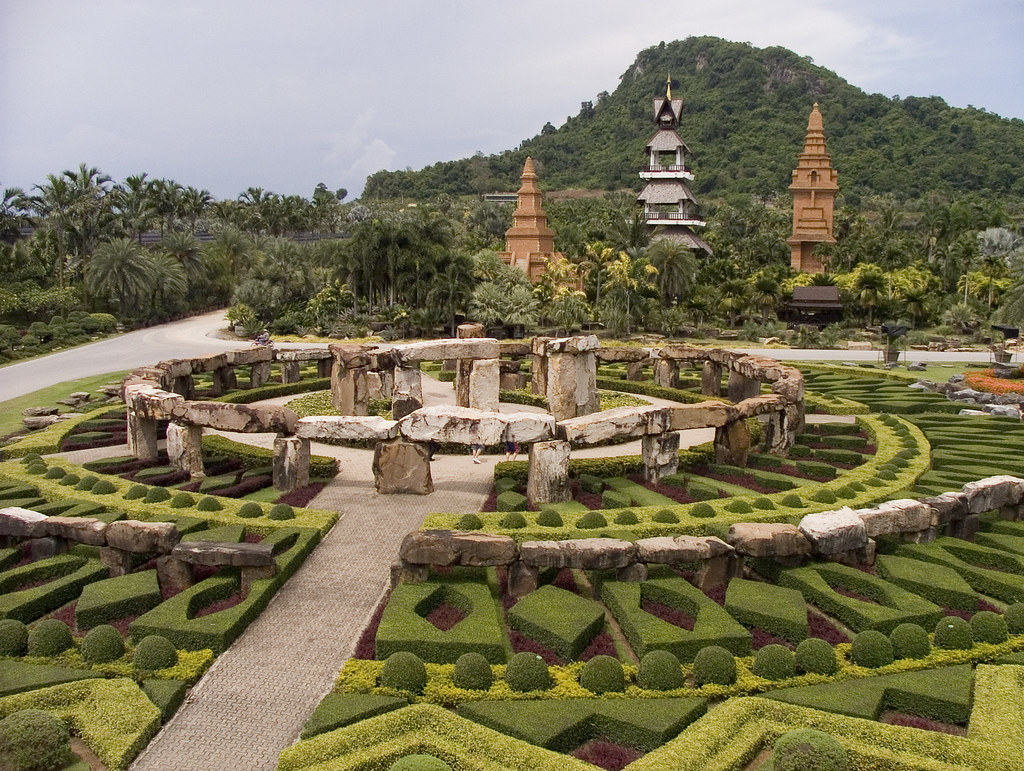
(673, 218)
(672, 171)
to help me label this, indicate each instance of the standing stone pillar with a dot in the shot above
(291, 463)
(635, 370)
(539, 366)
(484, 382)
(660, 453)
(711, 379)
(185, 448)
(464, 367)
(401, 466)
(547, 478)
(778, 433)
(408, 391)
(222, 379)
(572, 377)
(142, 437)
(290, 372)
(742, 387)
(184, 386)
(666, 373)
(259, 374)
(348, 379)
(732, 443)
(324, 367)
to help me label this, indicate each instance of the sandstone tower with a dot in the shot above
(529, 243)
(814, 190)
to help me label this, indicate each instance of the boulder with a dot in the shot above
(302, 354)
(946, 508)
(447, 547)
(993, 492)
(445, 423)
(401, 466)
(660, 453)
(184, 448)
(668, 550)
(580, 554)
(833, 532)
(35, 412)
(631, 355)
(528, 427)
(484, 377)
(242, 418)
(754, 539)
(346, 428)
(709, 414)
(904, 515)
(290, 463)
(571, 384)
(547, 478)
(760, 405)
(571, 345)
(142, 537)
(609, 424)
(16, 522)
(87, 530)
(248, 356)
(147, 400)
(226, 553)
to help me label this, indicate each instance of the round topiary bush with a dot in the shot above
(469, 522)
(591, 521)
(816, 656)
(102, 644)
(182, 501)
(549, 518)
(910, 641)
(250, 510)
(87, 482)
(660, 671)
(603, 674)
(824, 495)
(154, 652)
(774, 662)
(714, 664)
(281, 511)
(764, 504)
(514, 520)
(871, 649)
(472, 672)
(157, 495)
(953, 634)
(988, 627)
(626, 517)
(103, 487)
(887, 474)
(527, 672)
(1014, 616)
(34, 740)
(404, 671)
(13, 637)
(39, 467)
(69, 480)
(209, 503)
(665, 515)
(739, 507)
(48, 638)
(792, 501)
(136, 492)
(702, 511)
(419, 763)
(808, 749)
(54, 473)
(31, 457)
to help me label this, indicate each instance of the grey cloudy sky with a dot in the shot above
(227, 94)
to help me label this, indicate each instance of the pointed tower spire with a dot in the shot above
(668, 88)
(814, 190)
(529, 243)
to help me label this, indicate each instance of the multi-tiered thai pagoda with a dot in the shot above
(530, 243)
(814, 191)
(669, 205)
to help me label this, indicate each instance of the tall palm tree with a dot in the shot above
(54, 204)
(122, 273)
(676, 265)
(452, 286)
(869, 286)
(734, 299)
(13, 211)
(765, 293)
(997, 246)
(133, 202)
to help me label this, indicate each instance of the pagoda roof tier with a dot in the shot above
(666, 140)
(672, 106)
(666, 191)
(683, 235)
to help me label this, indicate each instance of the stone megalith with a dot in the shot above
(408, 391)
(732, 443)
(185, 449)
(401, 466)
(548, 475)
(660, 455)
(291, 462)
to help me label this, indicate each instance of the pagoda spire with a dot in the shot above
(814, 189)
(529, 243)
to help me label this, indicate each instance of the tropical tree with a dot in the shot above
(869, 285)
(734, 298)
(676, 265)
(568, 308)
(765, 293)
(122, 273)
(631, 280)
(997, 246)
(452, 287)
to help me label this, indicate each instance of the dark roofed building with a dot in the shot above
(814, 305)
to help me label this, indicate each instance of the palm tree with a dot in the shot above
(765, 294)
(185, 248)
(192, 204)
(676, 265)
(54, 204)
(997, 246)
(734, 299)
(630, 278)
(916, 301)
(123, 273)
(166, 195)
(134, 205)
(13, 214)
(452, 286)
(170, 283)
(869, 286)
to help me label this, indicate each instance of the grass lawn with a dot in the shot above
(10, 410)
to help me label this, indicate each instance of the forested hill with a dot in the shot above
(744, 117)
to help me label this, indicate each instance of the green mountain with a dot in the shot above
(744, 118)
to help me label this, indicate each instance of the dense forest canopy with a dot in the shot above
(744, 117)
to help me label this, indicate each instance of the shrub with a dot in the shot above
(250, 510)
(910, 641)
(472, 672)
(765, 504)
(527, 672)
(714, 664)
(665, 515)
(953, 633)
(988, 627)
(157, 495)
(54, 473)
(591, 521)
(70, 479)
(514, 520)
(626, 517)
(660, 671)
(1014, 616)
(603, 674)
(702, 511)
(774, 662)
(48, 638)
(816, 656)
(13, 637)
(103, 487)
(808, 749)
(824, 495)
(280, 511)
(792, 501)
(739, 507)
(419, 762)
(591, 483)
(209, 503)
(87, 482)
(549, 518)
(469, 522)
(38, 467)
(182, 501)
(135, 492)
(404, 671)
(31, 457)
(154, 652)
(101, 644)
(871, 649)
(34, 740)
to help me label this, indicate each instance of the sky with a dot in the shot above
(227, 94)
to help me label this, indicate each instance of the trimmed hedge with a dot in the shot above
(557, 619)
(64, 575)
(775, 609)
(112, 598)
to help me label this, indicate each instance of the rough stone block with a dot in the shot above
(522, 579)
(447, 547)
(461, 425)
(528, 427)
(174, 575)
(905, 515)
(16, 522)
(85, 530)
(405, 573)
(118, 562)
(719, 571)
(753, 539)
(483, 384)
(660, 454)
(579, 553)
(259, 374)
(993, 492)
(401, 466)
(290, 463)
(946, 508)
(290, 372)
(242, 418)
(709, 414)
(248, 575)
(832, 532)
(46, 547)
(347, 428)
(547, 478)
(142, 437)
(608, 424)
(184, 448)
(142, 537)
(732, 443)
(669, 550)
(635, 573)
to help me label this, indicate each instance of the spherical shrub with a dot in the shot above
(702, 511)
(714, 664)
(39, 467)
(154, 652)
(34, 740)
(209, 503)
(871, 649)
(472, 672)
(281, 511)
(103, 487)
(182, 501)
(739, 507)
(910, 641)
(846, 492)
(765, 504)
(135, 492)
(469, 522)
(988, 627)
(816, 656)
(591, 521)
(549, 518)
(514, 520)
(792, 501)
(69, 480)
(527, 672)
(157, 495)
(31, 457)
(86, 482)
(419, 763)
(824, 495)
(660, 671)
(102, 644)
(626, 517)
(48, 638)
(603, 674)
(54, 473)
(886, 474)
(774, 662)
(13, 637)
(953, 634)
(404, 671)
(250, 510)
(665, 515)
(1014, 616)
(807, 749)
